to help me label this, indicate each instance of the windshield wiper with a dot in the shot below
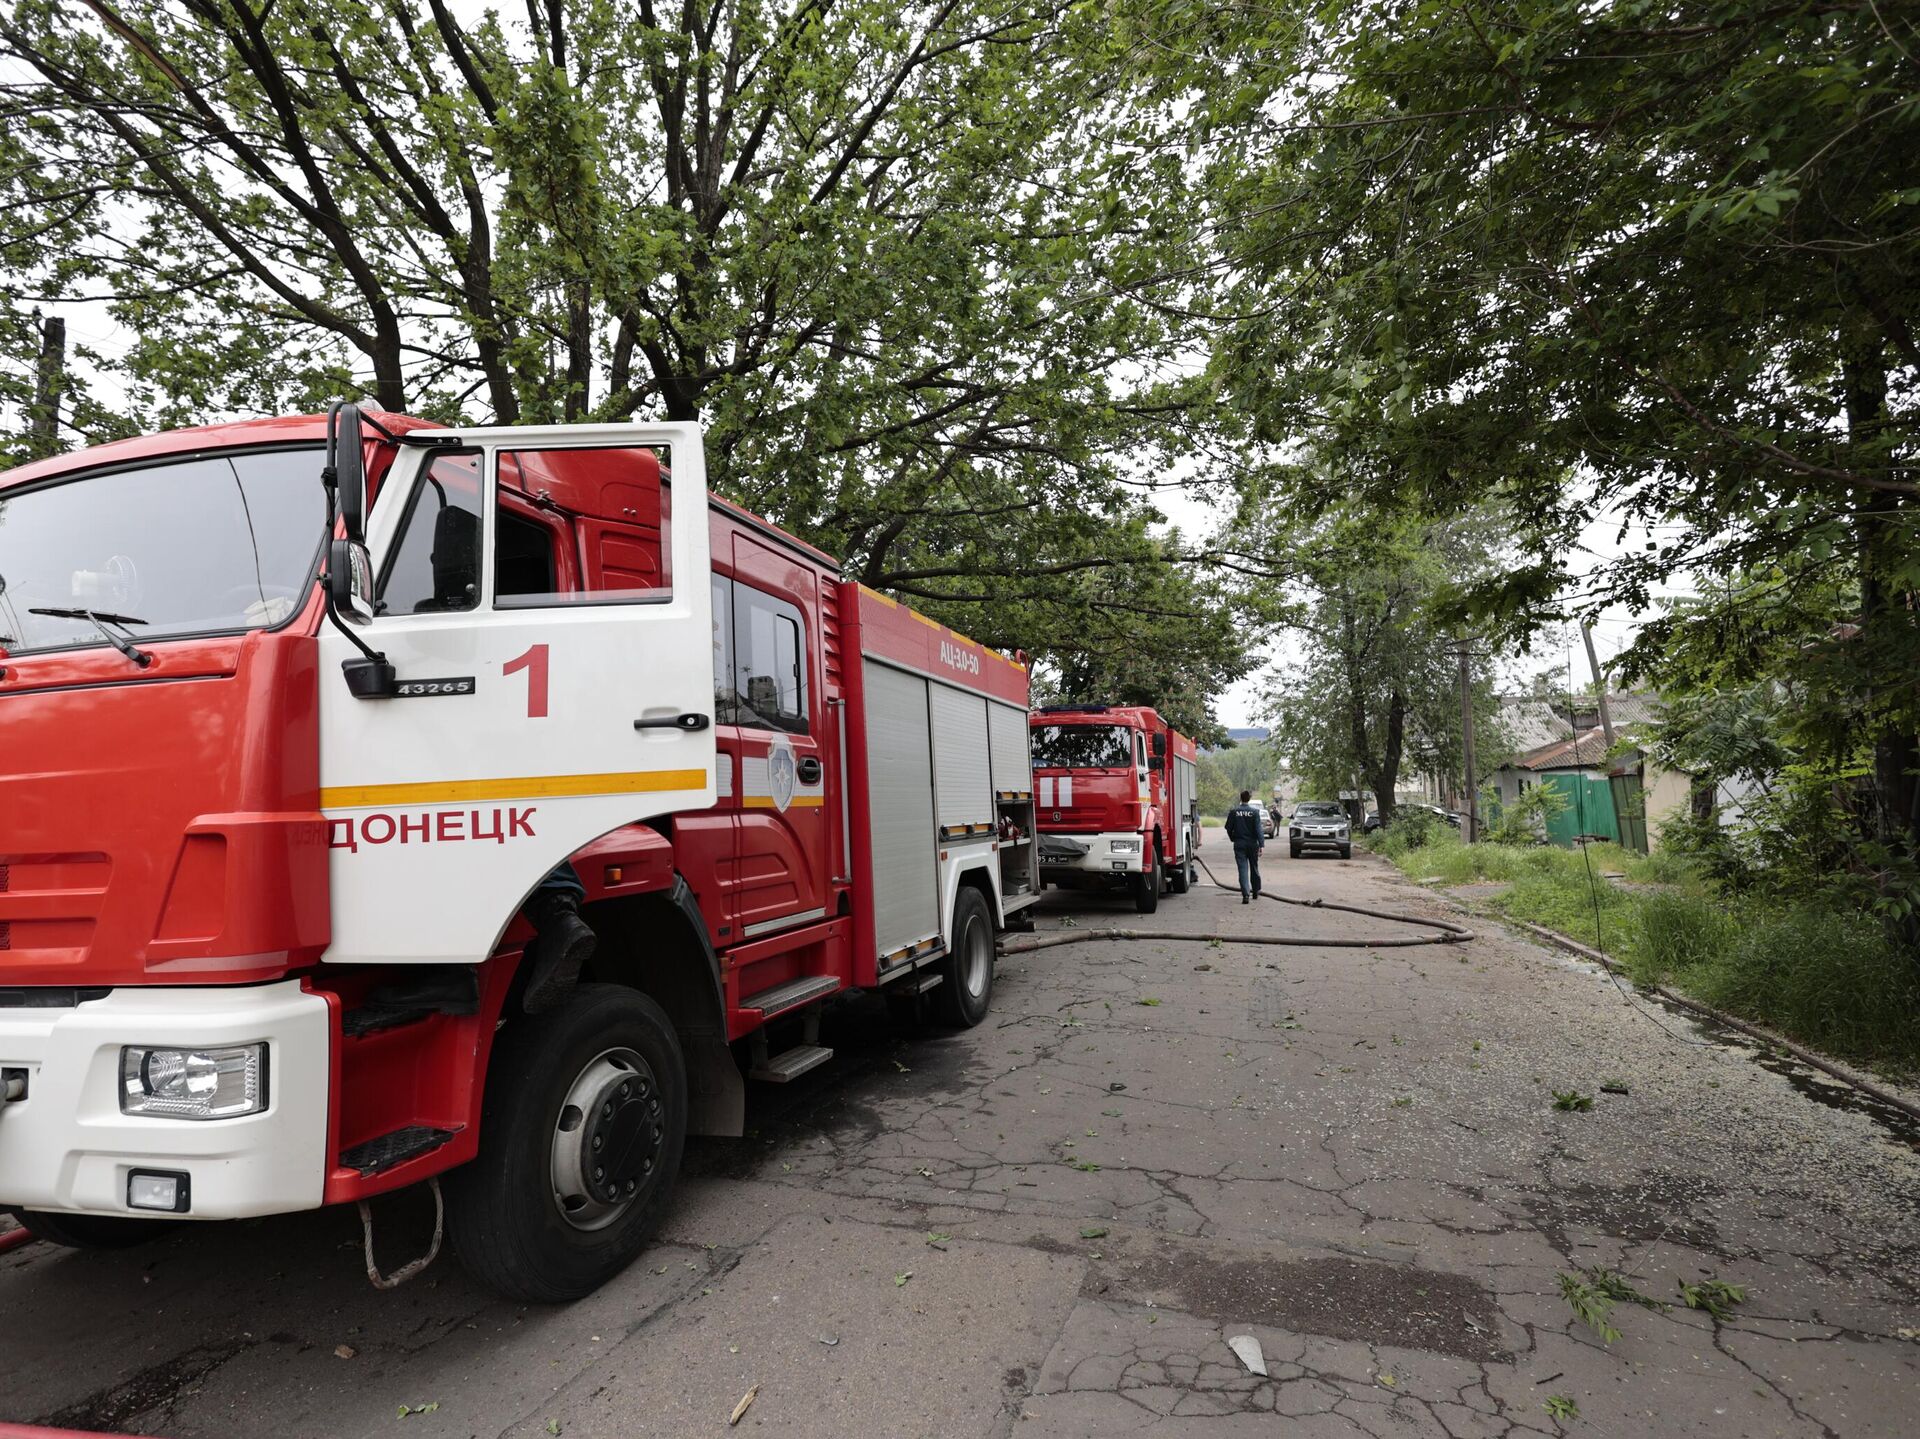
(101, 619)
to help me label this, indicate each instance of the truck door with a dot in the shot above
(546, 693)
(782, 864)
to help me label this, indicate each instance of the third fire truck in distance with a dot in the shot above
(491, 813)
(1117, 800)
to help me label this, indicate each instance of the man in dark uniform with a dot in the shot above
(1249, 836)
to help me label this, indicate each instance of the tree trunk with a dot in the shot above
(50, 375)
(389, 380)
(1385, 774)
(579, 351)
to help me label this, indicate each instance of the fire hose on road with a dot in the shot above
(1447, 932)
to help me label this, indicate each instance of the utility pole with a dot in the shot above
(1599, 685)
(43, 423)
(1466, 741)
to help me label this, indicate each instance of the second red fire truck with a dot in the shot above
(1117, 801)
(495, 838)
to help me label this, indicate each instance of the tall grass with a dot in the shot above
(1827, 977)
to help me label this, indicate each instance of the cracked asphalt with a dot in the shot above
(1051, 1225)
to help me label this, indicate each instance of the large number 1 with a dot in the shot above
(534, 662)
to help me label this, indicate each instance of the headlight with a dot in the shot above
(194, 1083)
(1124, 846)
(1294, 832)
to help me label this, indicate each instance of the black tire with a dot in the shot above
(1146, 887)
(91, 1231)
(1293, 851)
(510, 1227)
(1181, 879)
(1346, 851)
(968, 988)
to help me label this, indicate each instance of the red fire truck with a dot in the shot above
(1117, 793)
(565, 795)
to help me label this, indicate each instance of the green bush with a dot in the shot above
(1663, 866)
(1525, 820)
(1560, 896)
(1830, 978)
(1678, 932)
(1412, 829)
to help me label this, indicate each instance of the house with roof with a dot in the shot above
(1577, 765)
(1625, 796)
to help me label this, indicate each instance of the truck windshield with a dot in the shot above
(1082, 746)
(209, 545)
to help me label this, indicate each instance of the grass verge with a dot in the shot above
(1826, 977)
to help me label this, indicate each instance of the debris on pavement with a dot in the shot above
(1248, 1350)
(746, 1403)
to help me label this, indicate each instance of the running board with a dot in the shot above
(791, 1064)
(791, 995)
(384, 1151)
(928, 979)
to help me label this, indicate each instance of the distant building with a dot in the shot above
(1626, 797)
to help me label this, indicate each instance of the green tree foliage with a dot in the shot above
(1217, 792)
(1173, 638)
(1375, 691)
(1657, 262)
(921, 272)
(1789, 747)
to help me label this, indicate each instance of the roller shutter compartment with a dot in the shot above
(900, 815)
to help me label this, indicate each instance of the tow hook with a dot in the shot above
(409, 1270)
(13, 1086)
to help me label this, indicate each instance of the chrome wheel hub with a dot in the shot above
(607, 1139)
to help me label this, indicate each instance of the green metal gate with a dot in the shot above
(1589, 809)
(1630, 810)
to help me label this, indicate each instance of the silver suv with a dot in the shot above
(1319, 824)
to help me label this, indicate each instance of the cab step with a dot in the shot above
(384, 1151)
(373, 1018)
(925, 980)
(791, 995)
(790, 1064)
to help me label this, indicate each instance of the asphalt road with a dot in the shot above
(1051, 1225)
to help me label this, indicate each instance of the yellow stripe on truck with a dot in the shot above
(545, 786)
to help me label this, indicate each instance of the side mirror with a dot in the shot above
(346, 457)
(1160, 744)
(350, 579)
(1156, 762)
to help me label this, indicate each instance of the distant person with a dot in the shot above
(1247, 830)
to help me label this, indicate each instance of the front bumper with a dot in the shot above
(1100, 859)
(66, 1146)
(1323, 839)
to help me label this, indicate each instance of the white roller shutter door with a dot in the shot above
(961, 771)
(1008, 735)
(906, 892)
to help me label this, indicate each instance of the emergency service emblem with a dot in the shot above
(782, 774)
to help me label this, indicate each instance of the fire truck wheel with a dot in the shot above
(1146, 888)
(969, 968)
(1181, 878)
(91, 1231)
(585, 1120)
